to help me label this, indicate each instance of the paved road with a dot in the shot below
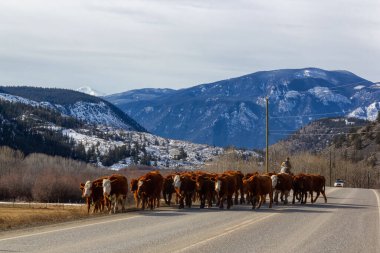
(349, 222)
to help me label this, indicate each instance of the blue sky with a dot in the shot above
(116, 45)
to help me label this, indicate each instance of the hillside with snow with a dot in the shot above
(91, 131)
(232, 111)
(81, 106)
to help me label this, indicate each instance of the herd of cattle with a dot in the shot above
(107, 193)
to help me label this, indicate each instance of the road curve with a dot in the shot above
(349, 222)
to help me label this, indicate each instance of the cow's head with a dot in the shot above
(87, 189)
(199, 182)
(218, 185)
(106, 187)
(275, 181)
(177, 181)
(134, 184)
(141, 186)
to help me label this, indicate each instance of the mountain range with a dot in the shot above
(71, 124)
(90, 109)
(233, 111)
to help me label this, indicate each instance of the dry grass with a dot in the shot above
(21, 215)
(18, 216)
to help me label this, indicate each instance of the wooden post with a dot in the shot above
(266, 139)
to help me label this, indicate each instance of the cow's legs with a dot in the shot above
(286, 194)
(229, 201)
(316, 197)
(275, 200)
(270, 199)
(236, 199)
(324, 195)
(221, 200)
(304, 198)
(261, 200)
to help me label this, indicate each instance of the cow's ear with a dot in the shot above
(81, 186)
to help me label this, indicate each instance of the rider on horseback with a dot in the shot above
(286, 166)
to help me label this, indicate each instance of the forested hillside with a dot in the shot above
(335, 148)
(32, 130)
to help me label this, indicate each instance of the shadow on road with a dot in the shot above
(290, 208)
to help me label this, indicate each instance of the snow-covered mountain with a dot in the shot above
(90, 91)
(232, 112)
(49, 124)
(87, 108)
(160, 152)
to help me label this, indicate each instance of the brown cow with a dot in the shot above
(225, 187)
(184, 185)
(134, 186)
(168, 189)
(258, 187)
(239, 185)
(92, 191)
(318, 185)
(302, 183)
(149, 189)
(205, 189)
(115, 189)
(282, 183)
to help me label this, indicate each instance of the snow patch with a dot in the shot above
(368, 113)
(90, 91)
(326, 95)
(148, 109)
(359, 87)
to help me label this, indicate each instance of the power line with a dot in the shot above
(330, 128)
(299, 134)
(309, 115)
(345, 85)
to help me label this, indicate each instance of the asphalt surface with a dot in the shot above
(349, 222)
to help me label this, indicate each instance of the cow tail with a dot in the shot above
(324, 185)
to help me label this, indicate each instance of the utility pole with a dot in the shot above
(368, 176)
(330, 166)
(267, 134)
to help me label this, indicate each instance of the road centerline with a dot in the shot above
(235, 228)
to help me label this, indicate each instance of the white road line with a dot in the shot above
(228, 231)
(378, 205)
(65, 229)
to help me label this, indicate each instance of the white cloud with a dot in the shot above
(117, 45)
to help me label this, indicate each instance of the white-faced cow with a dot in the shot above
(92, 191)
(115, 190)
